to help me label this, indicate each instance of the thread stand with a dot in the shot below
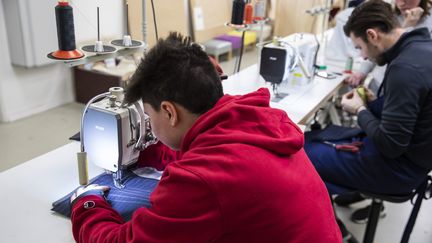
(99, 47)
(93, 57)
(242, 27)
(127, 41)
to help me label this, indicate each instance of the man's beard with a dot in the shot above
(380, 60)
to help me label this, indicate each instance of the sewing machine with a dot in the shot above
(113, 134)
(289, 61)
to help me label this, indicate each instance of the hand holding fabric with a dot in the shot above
(370, 96)
(351, 102)
(355, 79)
(92, 189)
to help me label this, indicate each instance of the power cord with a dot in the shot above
(241, 51)
(154, 20)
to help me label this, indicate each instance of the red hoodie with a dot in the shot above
(242, 177)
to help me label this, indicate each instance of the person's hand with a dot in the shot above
(412, 16)
(355, 79)
(351, 102)
(370, 96)
(92, 189)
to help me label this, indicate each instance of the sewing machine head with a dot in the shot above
(113, 134)
(289, 61)
(277, 61)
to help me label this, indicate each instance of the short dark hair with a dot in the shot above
(354, 3)
(176, 70)
(371, 14)
(424, 4)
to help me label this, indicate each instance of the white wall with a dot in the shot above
(27, 91)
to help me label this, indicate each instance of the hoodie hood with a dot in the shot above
(247, 119)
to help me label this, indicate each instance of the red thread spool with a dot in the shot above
(248, 14)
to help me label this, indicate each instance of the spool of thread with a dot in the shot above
(117, 92)
(260, 7)
(65, 27)
(65, 33)
(248, 15)
(237, 12)
(82, 168)
(349, 65)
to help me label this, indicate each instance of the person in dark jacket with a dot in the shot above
(395, 156)
(412, 14)
(241, 174)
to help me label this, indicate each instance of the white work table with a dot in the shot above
(28, 190)
(302, 101)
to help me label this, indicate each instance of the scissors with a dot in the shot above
(353, 147)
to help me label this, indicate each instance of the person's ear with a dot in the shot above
(372, 35)
(170, 112)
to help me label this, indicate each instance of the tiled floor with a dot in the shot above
(36, 135)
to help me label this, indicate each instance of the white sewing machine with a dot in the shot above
(113, 134)
(289, 61)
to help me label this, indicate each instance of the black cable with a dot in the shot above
(154, 20)
(98, 25)
(241, 51)
(316, 53)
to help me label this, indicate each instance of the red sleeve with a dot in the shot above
(84, 213)
(184, 209)
(157, 156)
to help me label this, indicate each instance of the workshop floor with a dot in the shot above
(30, 137)
(390, 228)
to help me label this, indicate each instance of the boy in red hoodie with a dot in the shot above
(240, 173)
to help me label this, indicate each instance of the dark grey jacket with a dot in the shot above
(404, 131)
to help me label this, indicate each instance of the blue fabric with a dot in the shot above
(135, 194)
(363, 171)
(334, 133)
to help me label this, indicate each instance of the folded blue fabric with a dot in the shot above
(134, 195)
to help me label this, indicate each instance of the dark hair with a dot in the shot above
(371, 14)
(354, 3)
(176, 70)
(424, 4)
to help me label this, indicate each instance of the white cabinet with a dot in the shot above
(31, 31)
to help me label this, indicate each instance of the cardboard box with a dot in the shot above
(89, 83)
